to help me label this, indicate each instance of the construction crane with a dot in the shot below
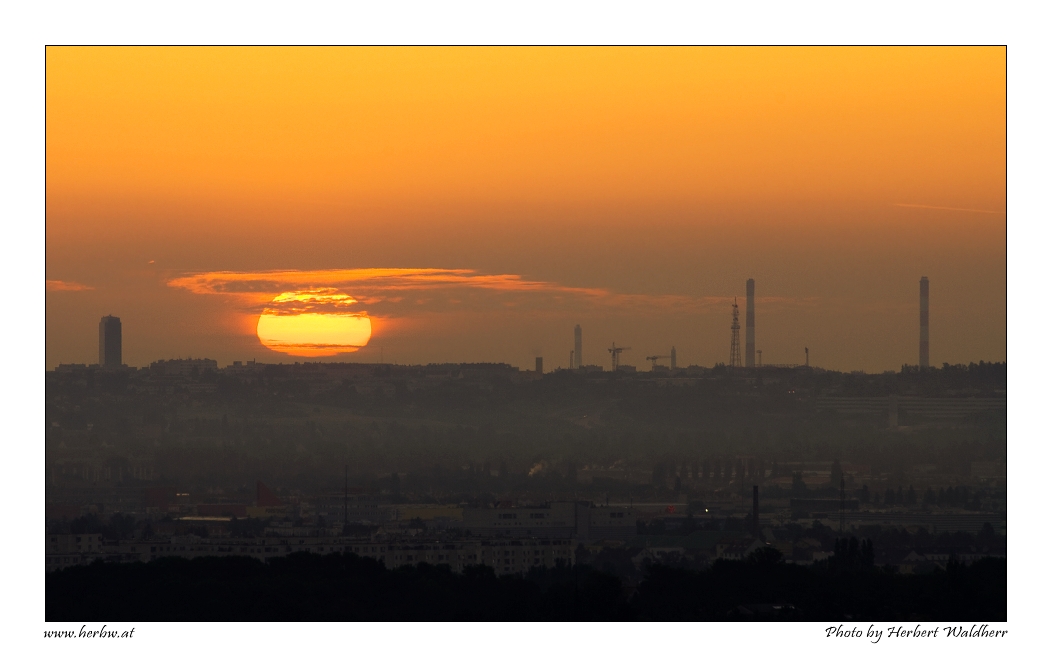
(615, 355)
(653, 360)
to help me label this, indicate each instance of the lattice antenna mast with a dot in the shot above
(736, 348)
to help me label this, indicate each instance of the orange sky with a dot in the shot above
(661, 178)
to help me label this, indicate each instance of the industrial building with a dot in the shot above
(582, 521)
(901, 410)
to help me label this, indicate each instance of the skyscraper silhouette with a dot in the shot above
(110, 342)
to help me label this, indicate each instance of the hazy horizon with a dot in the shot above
(479, 203)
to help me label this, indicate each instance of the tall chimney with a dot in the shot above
(577, 346)
(924, 322)
(539, 361)
(750, 323)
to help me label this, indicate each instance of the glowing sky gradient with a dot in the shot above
(631, 190)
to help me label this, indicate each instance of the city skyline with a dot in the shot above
(680, 334)
(110, 345)
(630, 191)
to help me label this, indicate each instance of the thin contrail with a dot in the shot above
(949, 208)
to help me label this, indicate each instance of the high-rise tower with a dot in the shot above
(924, 322)
(577, 346)
(736, 349)
(110, 342)
(750, 323)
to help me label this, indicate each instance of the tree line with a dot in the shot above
(345, 587)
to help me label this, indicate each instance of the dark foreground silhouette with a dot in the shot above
(337, 587)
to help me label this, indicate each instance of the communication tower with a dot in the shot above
(736, 348)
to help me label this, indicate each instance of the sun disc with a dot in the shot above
(313, 323)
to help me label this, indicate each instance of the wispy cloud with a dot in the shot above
(397, 291)
(379, 280)
(950, 208)
(319, 301)
(65, 286)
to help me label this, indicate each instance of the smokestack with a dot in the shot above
(540, 364)
(756, 510)
(577, 346)
(672, 359)
(750, 323)
(924, 322)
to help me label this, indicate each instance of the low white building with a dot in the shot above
(566, 520)
(504, 556)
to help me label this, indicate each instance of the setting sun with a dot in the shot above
(481, 202)
(313, 323)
